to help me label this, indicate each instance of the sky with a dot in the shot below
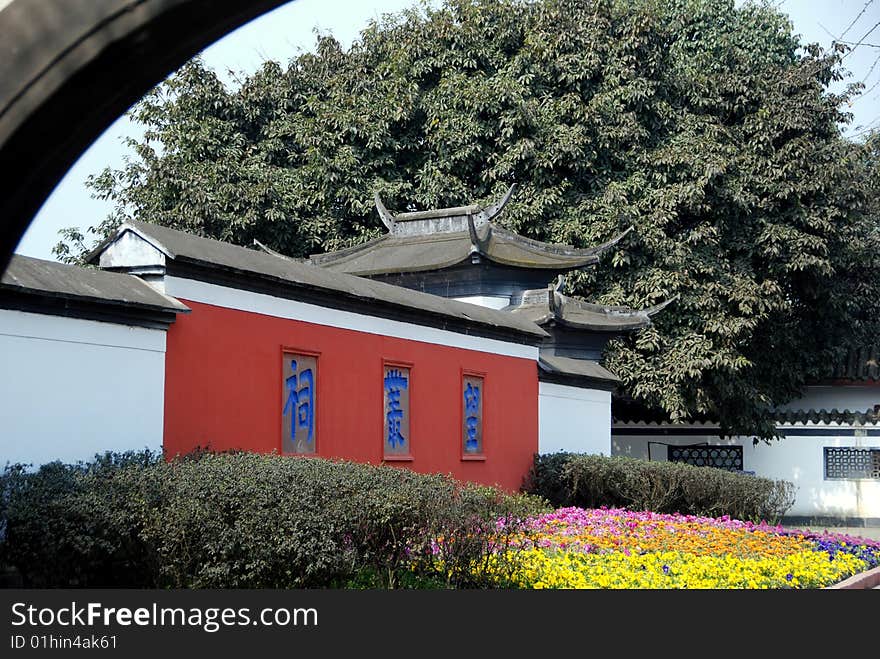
(290, 29)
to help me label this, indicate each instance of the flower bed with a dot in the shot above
(615, 548)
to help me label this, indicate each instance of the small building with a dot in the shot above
(280, 355)
(459, 253)
(445, 346)
(463, 254)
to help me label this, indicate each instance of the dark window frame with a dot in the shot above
(731, 448)
(870, 473)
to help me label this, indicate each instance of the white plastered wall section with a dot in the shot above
(75, 387)
(573, 419)
(797, 459)
(491, 301)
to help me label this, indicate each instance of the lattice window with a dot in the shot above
(722, 457)
(852, 462)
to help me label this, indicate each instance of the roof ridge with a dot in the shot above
(346, 252)
(562, 249)
(96, 282)
(240, 261)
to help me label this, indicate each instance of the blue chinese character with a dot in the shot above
(471, 409)
(394, 383)
(301, 402)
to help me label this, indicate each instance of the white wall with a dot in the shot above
(491, 301)
(573, 419)
(858, 397)
(72, 388)
(799, 460)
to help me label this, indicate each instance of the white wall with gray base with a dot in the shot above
(798, 458)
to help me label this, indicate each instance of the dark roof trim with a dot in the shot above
(577, 257)
(781, 417)
(548, 307)
(212, 273)
(490, 241)
(825, 416)
(575, 373)
(581, 382)
(331, 260)
(458, 233)
(713, 431)
(340, 254)
(212, 261)
(577, 314)
(85, 309)
(40, 286)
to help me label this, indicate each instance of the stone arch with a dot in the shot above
(68, 70)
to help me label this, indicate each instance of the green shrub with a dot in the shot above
(247, 521)
(593, 481)
(70, 524)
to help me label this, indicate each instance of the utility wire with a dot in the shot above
(855, 20)
(864, 36)
(870, 71)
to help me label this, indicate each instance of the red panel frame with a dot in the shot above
(472, 457)
(407, 457)
(307, 353)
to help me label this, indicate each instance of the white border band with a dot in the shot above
(268, 305)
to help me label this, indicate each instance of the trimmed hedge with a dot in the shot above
(593, 481)
(245, 521)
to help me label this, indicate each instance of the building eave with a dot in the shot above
(248, 269)
(580, 373)
(48, 287)
(120, 313)
(213, 273)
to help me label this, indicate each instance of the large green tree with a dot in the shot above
(708, 128)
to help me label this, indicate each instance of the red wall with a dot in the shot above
(223, 390)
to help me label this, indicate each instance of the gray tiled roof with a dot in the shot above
(27, 275)
(576, 367)
(626, 411)
(294, 274)
(825, 416)
(418, 253)
(546, 305)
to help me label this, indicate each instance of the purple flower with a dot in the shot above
(666, 569)
(789, 576)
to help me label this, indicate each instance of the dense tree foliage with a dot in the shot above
(708, 128)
